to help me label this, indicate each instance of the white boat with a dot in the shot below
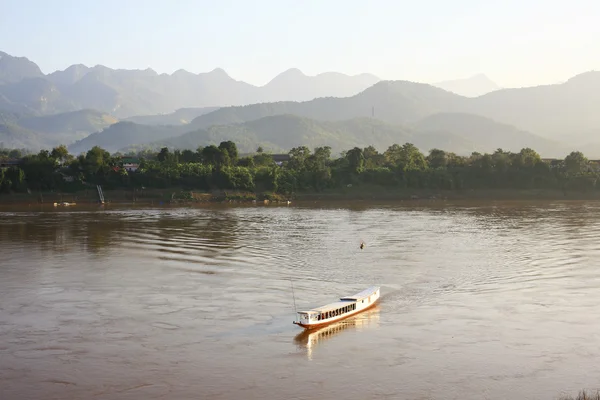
(309, 339)
(344, 308)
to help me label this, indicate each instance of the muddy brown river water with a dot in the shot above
(480, 300)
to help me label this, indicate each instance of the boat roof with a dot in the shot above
(361, 295)
(343, 302)
(328, 307)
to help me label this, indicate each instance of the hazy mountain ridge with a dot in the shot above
(127, 93)
(398, 102)
(552, 111)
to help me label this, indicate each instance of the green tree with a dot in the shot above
(373, 158)
(356, 160)
(576, 163)
(61, 154)
(163, 155)
(298, 157)
(230, 149)
(437, 159)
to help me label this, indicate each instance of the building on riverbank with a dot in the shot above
(8, 163)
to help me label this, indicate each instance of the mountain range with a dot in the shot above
(128, 93)
(118, 109)
(509, 118)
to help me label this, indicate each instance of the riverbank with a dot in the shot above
(140, 196)
(179, 196)
(362, 193)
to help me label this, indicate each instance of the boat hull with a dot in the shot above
(330, 321)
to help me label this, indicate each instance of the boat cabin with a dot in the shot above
(341, 309)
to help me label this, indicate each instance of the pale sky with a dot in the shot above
(515, 43)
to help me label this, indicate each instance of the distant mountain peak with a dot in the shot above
(77, 66)
(180, 72)
(292, 72)
(288, 74)
(14, 69)
(474, 86)
(219, 72)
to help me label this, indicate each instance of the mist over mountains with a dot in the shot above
(131, 109)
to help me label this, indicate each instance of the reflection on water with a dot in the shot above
(487, 300)
(309, 339)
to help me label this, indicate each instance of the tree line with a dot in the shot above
(222, 168)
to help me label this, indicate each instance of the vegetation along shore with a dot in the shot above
(219, 173)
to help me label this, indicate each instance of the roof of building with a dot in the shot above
(280, 157)
(10, 161)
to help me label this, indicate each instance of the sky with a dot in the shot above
(514, 43)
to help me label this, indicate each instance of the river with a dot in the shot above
(480, 300)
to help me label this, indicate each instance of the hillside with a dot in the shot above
(556, 111)
(127, 93)
(35, 132)
(70, 126)
(283, 132)
(123, 134)
(13, 136)
(488, 135)
(181, 116)
(397, 102)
